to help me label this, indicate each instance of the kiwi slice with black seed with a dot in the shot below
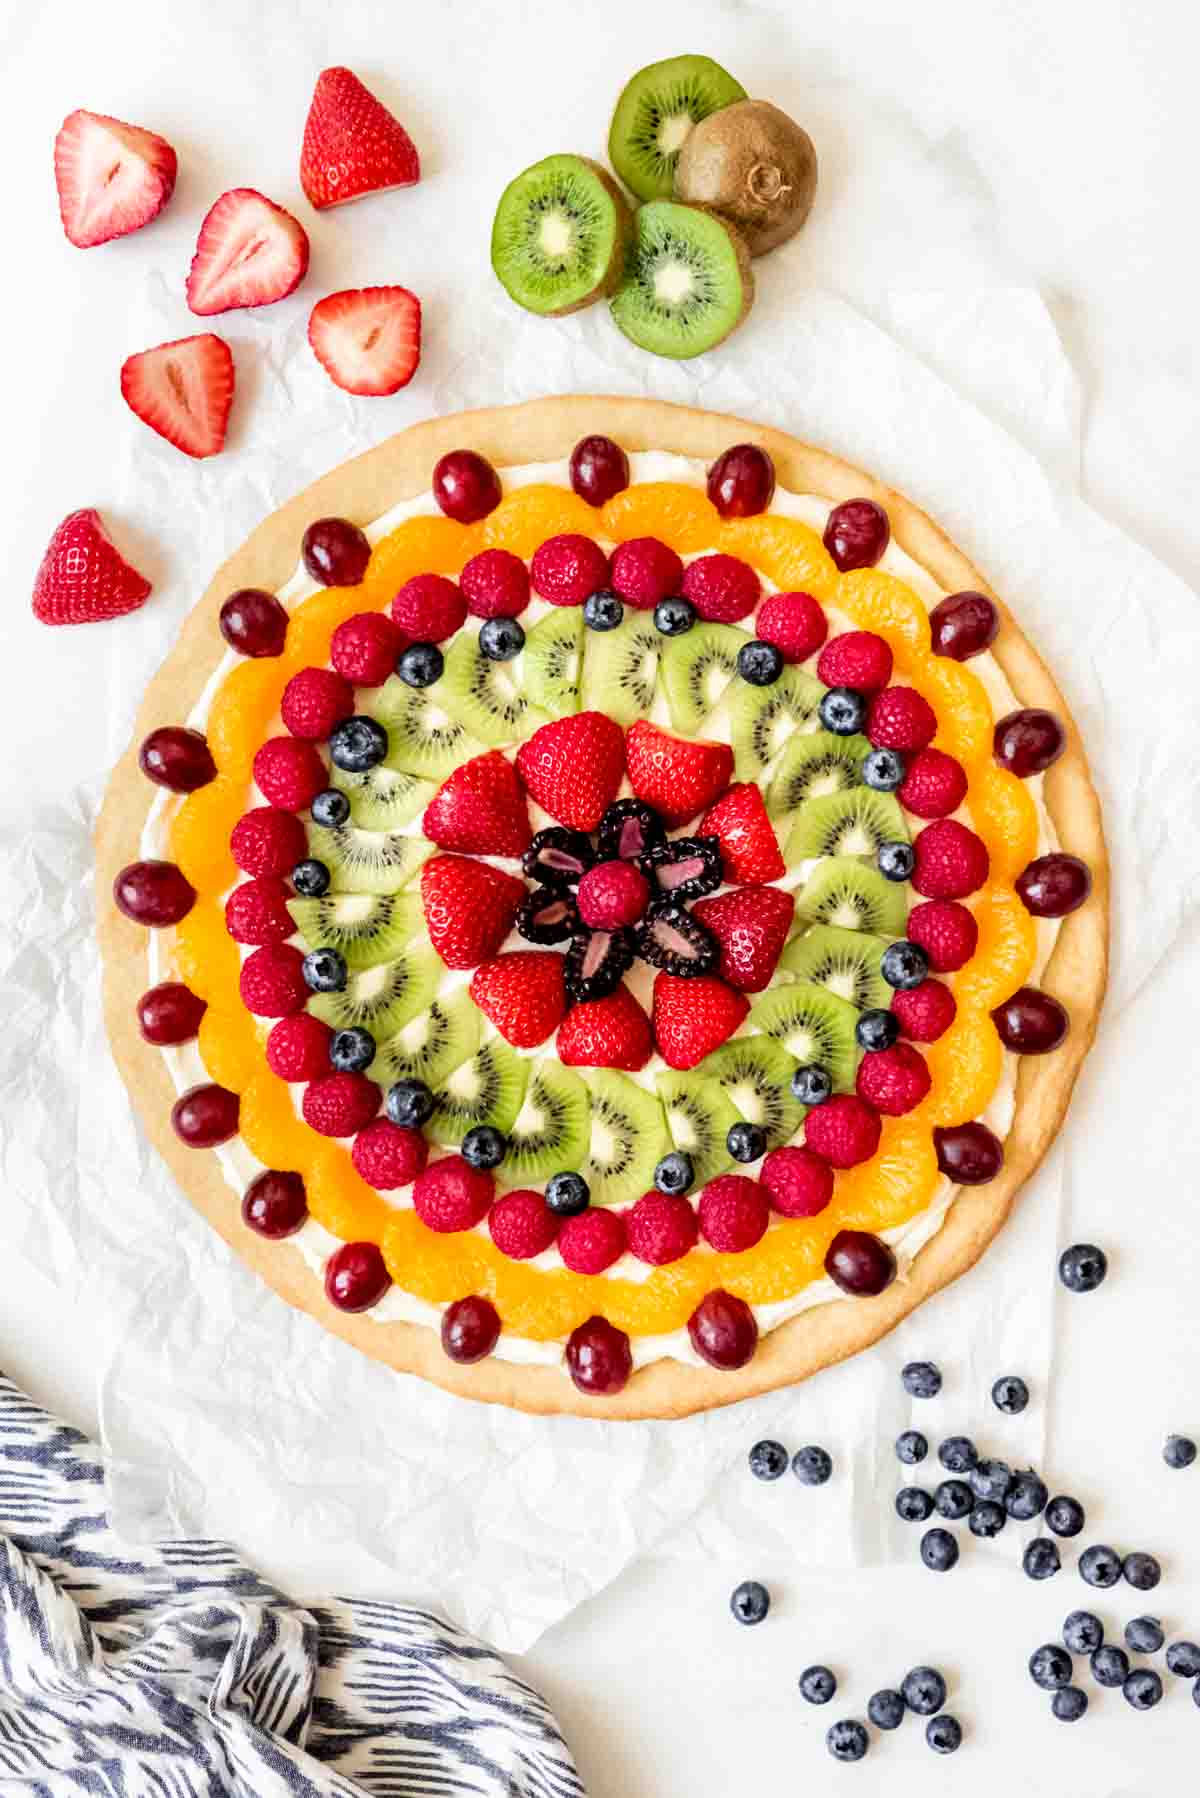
(696, 670)
(382, 999)
(845, 962)
(485, 696)
(699, 1116)
(366, 861)
(365, 928)
(755, 1075)
(423, 736)
(855, 822)
(383, 798)
(687, 281)
(814, 1026)
(552, 661)
(851, 893)
(628, 1138)
(620, 668)
(551, 1132)
(655, 113)
(762, 720)
(431, 1045)
(560, 235)
(487, 1089)
(815, 763)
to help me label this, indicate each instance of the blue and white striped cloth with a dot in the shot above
(176, 1672)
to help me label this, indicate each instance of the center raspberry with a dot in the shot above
(612, 895)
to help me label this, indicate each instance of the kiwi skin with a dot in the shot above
(755, 166)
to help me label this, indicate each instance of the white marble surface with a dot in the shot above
(1052, 147)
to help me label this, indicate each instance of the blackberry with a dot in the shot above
(685, 868)
(671, 939)
(547, 915)
(628, 829)
(558, 856)
(595, 962)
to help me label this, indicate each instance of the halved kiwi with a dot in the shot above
(853, 894)
(431, 1045)
(382, 999)
(487, 1089)
(560, 235)
(551, 661)
(846, 962)
(696, 670)
(628, 1138)
(383, 798)
(423, 737)
(687, 281)
(851, 823)
(755, 1074)
(814, 1026)
(699, 1117)
(657, 109)
(366, 928)
(552, 1130)
(753, 164)
(620, 668)
(763, 719)
(484, 695)
(813, 764)
(367, 861)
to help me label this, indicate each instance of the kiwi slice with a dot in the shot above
(620, 668)
(367, 861)
(423, 737)
(484, 695)
(755, 1075)
(655, 113)
(687, 281)
(366, 928)
(845, 962)
(699, 1117)
(813, 764)
(431, 1045)
(487, 1089)
(552, 1130)
(814, 1026)
(762, 720)
(851, 823)
(560, 234)
(552, 660)
(383, 798)
(696, 670)
(382, 999)
(843, 890)
(628, 1138)
(753, 164)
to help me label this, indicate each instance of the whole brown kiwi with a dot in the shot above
(755, 166)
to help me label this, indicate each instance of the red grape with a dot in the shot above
(860, 1263)
(598, 1356)
(466, 486)
(1031, 1022)
(356, 1276)
(153, 893)
(599, 468)
(1054, 885)
(723, 1331)
(170, 1013)
(470, 1329)
(274, 1204)
(204, 1116)
(254, 623)
(857, 533)
(741, 482)
(335, 552)
(963, 625)
(968, 1154)
(177, 758)
(1028, 741)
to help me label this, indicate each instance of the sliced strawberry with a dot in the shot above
(749, 847)
(352, 144)
(112, 178)
(84, 577)
(469, 908)
(523, 995)
(751, 924)
(183, 390)
(367, 339)
(250, 252)
(573, 767)
(677, 778)
(480, 809)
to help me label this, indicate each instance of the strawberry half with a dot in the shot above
(678, 779)
(84, 577)
(367, 339)
(523, 995)
(183, 390)
(691, 1018)
(749, 848)
(573, 767)
(352, 144)
(469, 908)
(250, 252)
(480, 809)
(751, 924)
(112, 178)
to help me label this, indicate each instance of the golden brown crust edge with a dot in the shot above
(544, 430)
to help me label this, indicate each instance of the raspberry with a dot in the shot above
(858, 659)
(733, 1213)
(794, 622)
(592, 1241)
(314, 701)
(661, 1227)
(951, 861)
(643, 571)
(612, 895)
(428, 609)
(289, 772)
(900, 718)
(843, 1130)
(946, 931)
(272, 981)
(451, 1195)
(256, 912)
(798, 1183)
(721, 588)
(522, 1224)
(340, 1104)
(364, 648)
(893, 1080)
(495, 584)
(298, 1047)
(387, 1156)
(567, 570)
(934, 784)
(268, 841)
(926, 1011)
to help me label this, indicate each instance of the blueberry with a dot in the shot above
(310, 879)
(1143, 1688)
(674, 1173)
(1064, 1516)
(500, 639)
(409, 1104)
(883, 769)
(750, 1601)
(843, 711)
(420, 664)
(1041, 1558)
(876, 1030)
(811, 1085)
(1069, 1704)
(746, 1142)
(324, 971)
(904, 965)
(812, 1466)
(357, 744)
(761, 664)
(1082, 1267)
(1179, 1451)
(911, 1447)
(1026, 1497)
(958, 1454)
(987, 1518)
(1050, 1667)
(674, 616)
(1196, 1693)
(603, 611)
(991, 1479)
(939, 1550)
(847, 1741)
(1184, 1658)
(913, 1504)
(817, 1685)
(567, 1194)
(895, 861)
(1083, 1632)
(924, 1691)
(1010, 1394)
(1100, 1565)
(886, 1708)
(768, 1460)
(351, 1051)
(953, 1500)
(1110, 1665)
(1144, 1635)
(330, 808)
(944, 1734)
(1141, 1571)
(484, 1146)
(921, 1379)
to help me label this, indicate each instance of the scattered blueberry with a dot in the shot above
(603, 611)
(921, 1379)
(847, 1741)
(812, 1466)
(1041, 1559)
(1082, 1267)
(1110, 1665)
(883, 769)
(1141, 1571)
(351, 1051)
(991, 1479)
(500, 639)
(357, 744)
(987, 1518)
(674, 1173)
(953, 1499)
(913, 1504)
(1100, 1565)
(484, 1146)
(768, 1460)
(1184, 1658)
(324, 971)
(420, 664)
(1083, 1632)
(567, 1194)
(409, 1103)
(924, 1691)
(330, 808)
(310, 879)
(817, 1685)
(759, 663)
(911, 1447)
(939, 1550)
(895, 861)
(1143, 1688)
(674, 616)
(886, 1708)
(958, 1454)
(904, 965)
(746, 1142)
(1050, 1667)
(1010, 1394)
(811, 1085)
(1196, 1693)
(750, 1601)
(1144, 1635)
(1026, 1498)
(1179, 1451)
(944, 1734)
(876, 1030)
(843, 711)
(1064, 1516)
(1069, 1704)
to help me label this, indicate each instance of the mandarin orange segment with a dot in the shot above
(200, 833)
(205, 955)
(242, 709)
(881, 603)
(789, 1257)
(960, 699)
(314, 621)
(1004, 814)
(427, 545)
(541, 1306)
(655, 1306)
(965, 1064)
(681, 516)
(270, 1127)
(229, 1047)
(436, 1268)
(1006, 952)
(340, 1199)
(523, 521)
(786, 551)
(895, 1185)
